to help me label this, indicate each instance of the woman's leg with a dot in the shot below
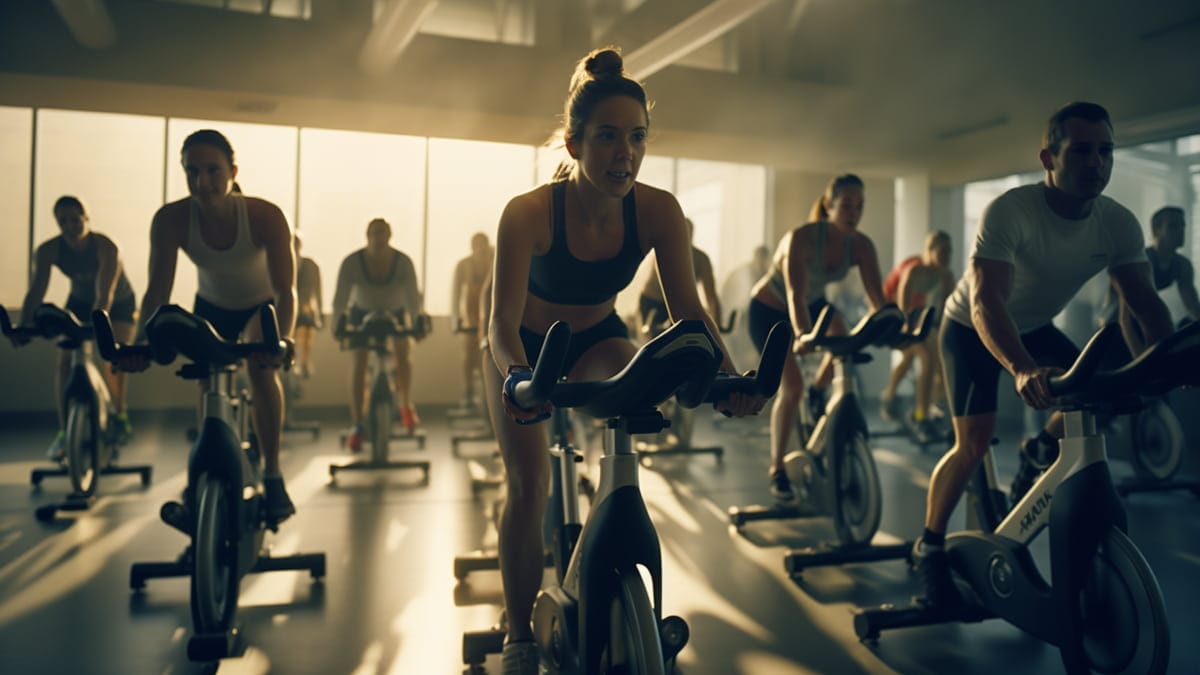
(118, 382)
(358, 387)
(783, 412)
(525, 451)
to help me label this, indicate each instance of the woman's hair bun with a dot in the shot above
(605, 63)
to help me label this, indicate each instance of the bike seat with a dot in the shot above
(1160, 368)
(878, 328)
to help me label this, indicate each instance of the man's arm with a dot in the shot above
(108, 266)
(1136, 292)
(43, 261)
(1187, 289)
(991, 287)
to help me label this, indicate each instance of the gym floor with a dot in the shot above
(389, 602)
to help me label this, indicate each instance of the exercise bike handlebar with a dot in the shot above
(682, 361)
(377, 326)
(172, 331)
(879, 327)
(1158, 369)
(10, 330)
(920, 322)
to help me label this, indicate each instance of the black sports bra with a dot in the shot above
(563, 279)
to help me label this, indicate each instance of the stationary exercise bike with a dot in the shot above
(376, 333)
(222, 512)
(90, 449)
(1103, 608)
(834, 472)
(599, 617)
(676, 439)
(855, 549)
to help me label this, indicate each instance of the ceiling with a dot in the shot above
(955, 90)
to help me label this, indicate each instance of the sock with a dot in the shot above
(933, 539)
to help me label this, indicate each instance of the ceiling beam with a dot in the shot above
(685, 37)
(88, 21)
(393, 30)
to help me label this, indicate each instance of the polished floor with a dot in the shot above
(390, 603)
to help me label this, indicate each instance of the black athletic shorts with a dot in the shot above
(229, 323)
(762, 317)
(972, 374)
(610, 327)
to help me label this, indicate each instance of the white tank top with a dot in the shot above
(233, 278)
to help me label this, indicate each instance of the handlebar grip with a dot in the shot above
(5, 325)
(106, 342)
(549, 365)
(1087, 362)
(820, 327)
(727, 327)
(270, 328)
(770, 364)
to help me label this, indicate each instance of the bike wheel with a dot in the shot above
(859, 503)
(1158, 442)
(634, 646)
(380, 426)
(82, 449)
(1124, 620)
(215, 581)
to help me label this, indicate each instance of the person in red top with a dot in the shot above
(918, 281)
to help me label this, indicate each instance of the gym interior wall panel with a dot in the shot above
(470, 182)
(348, 178)
(16, 147)
(114, 164)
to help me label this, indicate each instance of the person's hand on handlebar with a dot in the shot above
(512, 409)
(1033, 384)
(741, 404)
(801, 348)
(272, 360)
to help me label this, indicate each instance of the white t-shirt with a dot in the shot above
(1052, 256)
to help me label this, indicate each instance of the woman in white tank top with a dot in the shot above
(242, 247)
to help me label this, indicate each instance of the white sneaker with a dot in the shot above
(520, 658)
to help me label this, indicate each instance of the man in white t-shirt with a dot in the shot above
(1037, 246)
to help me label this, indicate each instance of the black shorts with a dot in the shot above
(123, 310)
(763, 317)
(306, 320)
(610, 327)
(229, 323)
(972, 374)
(653, 311)
(355, 315)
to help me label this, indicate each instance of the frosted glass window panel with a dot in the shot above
(470, 182)
(265, 155)
(114, 164)
(512, 22)
(348, 178)
(16, 148)
(727, 205)
(548, 159)
(658, 171)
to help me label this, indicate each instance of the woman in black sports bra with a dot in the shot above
(563, 251)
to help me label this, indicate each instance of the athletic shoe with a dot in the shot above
(519, 658)
(123, 428)
(780, 487)
(932, 566)
(354, 441)
(277, 505)
(57, 452)
(889, 409)
(409, 418)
